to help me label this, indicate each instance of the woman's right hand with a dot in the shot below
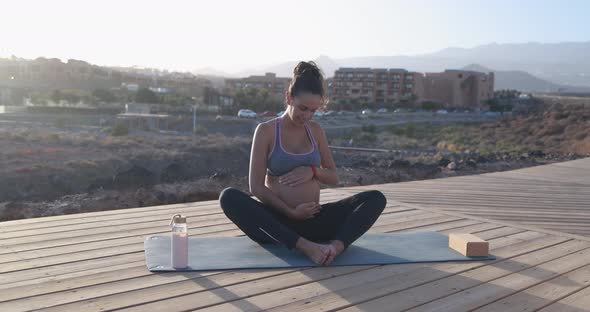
(305, 211)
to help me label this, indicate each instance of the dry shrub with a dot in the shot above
(552, 129)
(81, 163)
(580, 136)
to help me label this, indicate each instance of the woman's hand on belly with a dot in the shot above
(297, 176)
(308, 191)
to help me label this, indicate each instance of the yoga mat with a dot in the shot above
(226, 253)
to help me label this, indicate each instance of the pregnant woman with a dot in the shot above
(288, 161)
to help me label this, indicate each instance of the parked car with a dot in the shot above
(246, 113)
(367, 112)
(382, 111)
(442, 111)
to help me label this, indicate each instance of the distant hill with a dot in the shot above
(326, 64)
(210, 71)
(549, 64)
(520, 80)
(505, 79)
(564, 63)
(514, 79)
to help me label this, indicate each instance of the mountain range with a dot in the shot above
(541, 67)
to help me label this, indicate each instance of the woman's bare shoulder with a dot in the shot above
(315, 127)
(265, 128)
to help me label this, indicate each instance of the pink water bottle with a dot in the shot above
(179, 237)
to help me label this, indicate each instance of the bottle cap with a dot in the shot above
(177, 219)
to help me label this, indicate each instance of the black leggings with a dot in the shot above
(344, 220)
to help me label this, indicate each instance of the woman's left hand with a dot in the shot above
(297, 176)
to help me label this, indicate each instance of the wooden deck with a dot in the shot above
(553, 197)
(535, 219)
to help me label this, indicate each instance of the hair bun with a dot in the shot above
(307, 68)
(307, 77)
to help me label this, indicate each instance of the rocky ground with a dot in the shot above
(55, 170)
(354, 168)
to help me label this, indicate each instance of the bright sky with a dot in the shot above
(234, 35)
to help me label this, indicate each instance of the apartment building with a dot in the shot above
(276, 85)
(374, 85)
(380, 86)
(458, 88)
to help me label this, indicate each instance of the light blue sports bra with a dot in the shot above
(280, 161)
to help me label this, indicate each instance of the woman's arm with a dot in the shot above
(257, 171)
(326, 174)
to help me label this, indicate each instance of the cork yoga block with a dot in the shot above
(468, 245)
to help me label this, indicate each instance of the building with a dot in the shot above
(139, 116)
(375, 85)
(5, 96)
(12, 95)
(269, 81)
(380, 87)
(458, 88)
(215, 101)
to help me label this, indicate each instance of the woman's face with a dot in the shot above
(301, 108)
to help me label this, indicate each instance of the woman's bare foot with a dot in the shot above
(318, 253)
(336, 247)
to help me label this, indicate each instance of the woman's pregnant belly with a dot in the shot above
(294, 195)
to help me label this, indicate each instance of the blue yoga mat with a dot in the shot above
(225, 253)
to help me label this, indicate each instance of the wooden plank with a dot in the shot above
(504, 206)
(467, 193)
(478, 228)
(198, 208)
(522, 226)
(18, 235)
(543, 294)
(577, 302)
(319, 296)
(134, 245)
(89, 251)
(530, 214)
(76, 253)
(19, 238)
(82, 236)
(507, 285)
(491, 232)
(507, 207)
(127, 213)
(45, 288)
(456, 284)
(141, 265)
(49, 300)
(85, 215)
(398, 226)
(81, 265)
(402, 295)
(50, 251)
(11, 255)
(478, 188)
